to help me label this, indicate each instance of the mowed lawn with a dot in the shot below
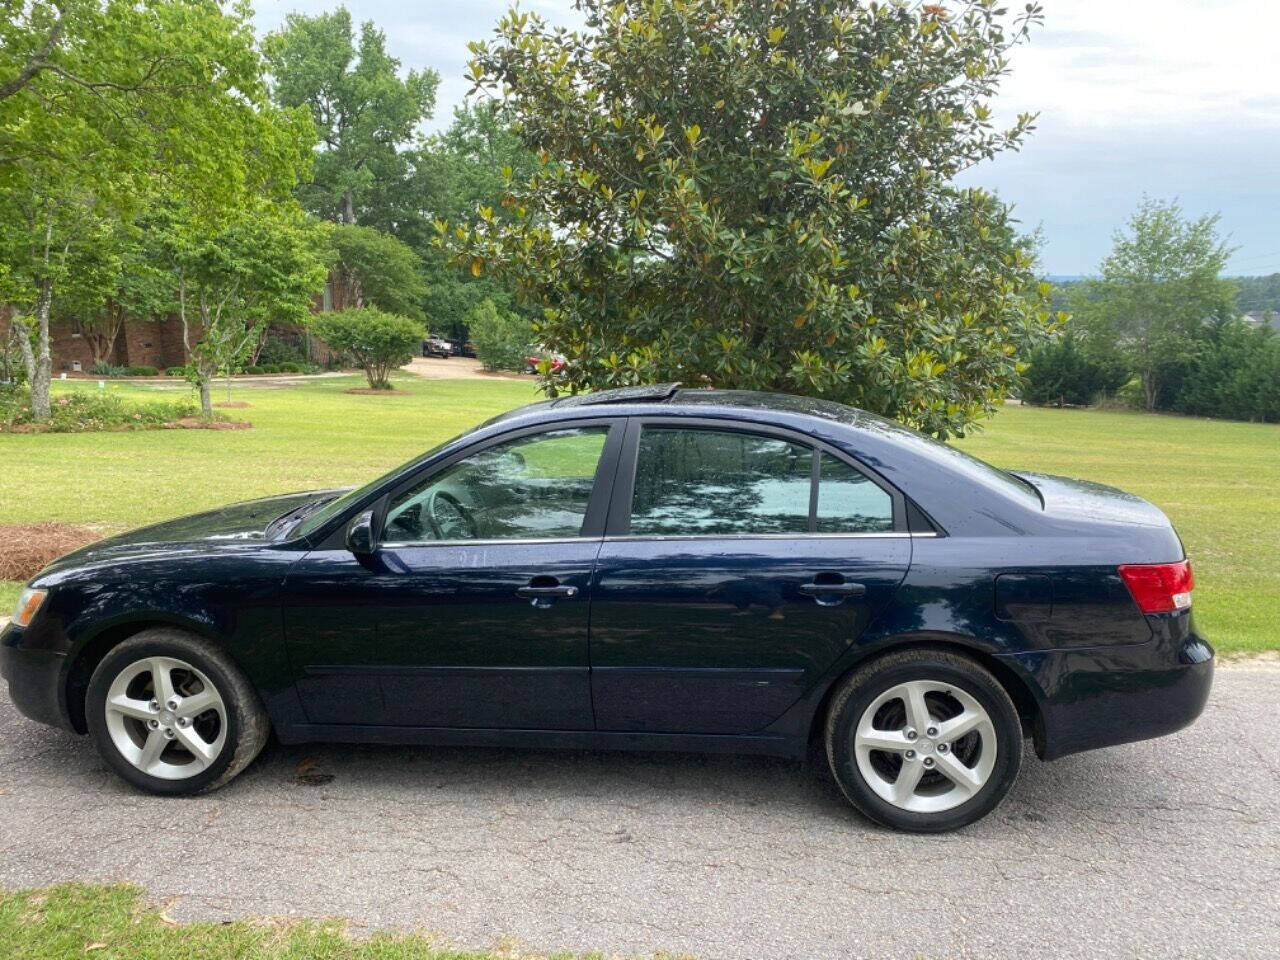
(1219, 481)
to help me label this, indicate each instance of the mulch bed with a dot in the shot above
(26, 548)
(231, 405)
(370, 392)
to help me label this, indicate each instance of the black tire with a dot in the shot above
(247, 726)
(859, 691)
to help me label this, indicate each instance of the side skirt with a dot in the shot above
(773, 746)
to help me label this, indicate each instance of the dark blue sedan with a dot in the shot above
(653, 568)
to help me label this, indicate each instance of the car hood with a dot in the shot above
(1083, 500)
(236, 523)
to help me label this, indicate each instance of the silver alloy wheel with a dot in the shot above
(925, 746)
(166, 718)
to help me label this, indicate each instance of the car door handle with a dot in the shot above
(555, 592)
(543, 591)
(830, 593)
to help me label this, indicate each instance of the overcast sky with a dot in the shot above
(1177, 99)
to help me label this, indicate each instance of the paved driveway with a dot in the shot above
(1164, 849)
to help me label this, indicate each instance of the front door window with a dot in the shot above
(531, 488)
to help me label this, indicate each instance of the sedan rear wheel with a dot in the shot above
(171, 713)
(924, 740)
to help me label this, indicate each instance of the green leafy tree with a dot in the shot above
(455, 173)
(377, 269)
(47, 226)
(365, 112)
(1062, 371)
(1236, 374)
(115, 277)
(1159, 288)
(96, 109)
(380, 342)
(759, 193)
(264, 266)
(503, 339)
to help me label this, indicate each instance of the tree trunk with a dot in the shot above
(352, 287)
(43, 372)
(348, 208)
(103, 342)
(1150, 388)
(206, 398)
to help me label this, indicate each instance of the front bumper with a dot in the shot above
(34, 678)
(1103, 696)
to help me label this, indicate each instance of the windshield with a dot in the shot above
(316, 521)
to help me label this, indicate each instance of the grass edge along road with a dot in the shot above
(1219, 481)
(113, 923)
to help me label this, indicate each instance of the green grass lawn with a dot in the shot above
(112, 923)
(1218, 481)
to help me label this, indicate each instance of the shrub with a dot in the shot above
(1062, 372)
(176, 372)
(280, 348)
(107, 370)
(142, 370)
(378, 341)
(86, 411)
(254, 369)
(1236, 375)
(290, 367)
(503, 339)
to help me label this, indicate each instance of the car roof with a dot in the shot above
(674, 398)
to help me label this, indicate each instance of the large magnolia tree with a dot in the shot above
(760, 193)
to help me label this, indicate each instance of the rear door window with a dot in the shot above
(701, 482)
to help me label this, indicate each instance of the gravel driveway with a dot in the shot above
(1162, 849)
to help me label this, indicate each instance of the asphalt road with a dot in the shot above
(1163, 849)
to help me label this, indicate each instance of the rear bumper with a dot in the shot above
(35, 680)
(1101, 696)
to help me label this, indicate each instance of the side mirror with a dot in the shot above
(360, 539)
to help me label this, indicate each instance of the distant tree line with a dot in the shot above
(1161, 329)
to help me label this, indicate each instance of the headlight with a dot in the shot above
(29, 601)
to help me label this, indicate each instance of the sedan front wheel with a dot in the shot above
(172, 714)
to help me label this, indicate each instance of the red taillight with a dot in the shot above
(1159, 587)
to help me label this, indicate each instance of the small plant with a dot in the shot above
(176, 372)
(142, 370)
(378, 341)
(107, 370)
